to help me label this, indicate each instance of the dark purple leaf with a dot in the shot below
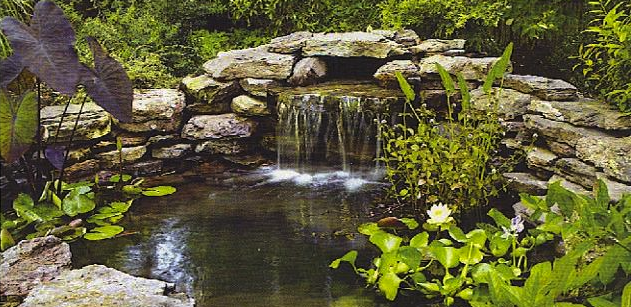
(10, 68)
(108, 84)
(55, 155)
(46, 47)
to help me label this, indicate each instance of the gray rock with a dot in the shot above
(510, 104)
(544, 88)
(576, 171)
(206, 90)
(560, 149)
(526, 183)
(588, 113)
(258, 87)
(248, 106)
(204, 127)
(98, 285)
(560, 131)
(541, 158)
(156, 110)
(455, 52)
(83, 169)
(250, 161)
(223, 147)
(434, 84)
(31, 263)
(389, 34)
(144, 168)
(438, 45)
(406, 37)
(471, 68)
(615, 188)
(308, 71)
(171, 152)
(569, 185)
(611, 154)
(157, 139)
(291, 43)
(352, 44)
(386, 73)
(129, 154)
(94, 123)
(250, 63)
(513, 126)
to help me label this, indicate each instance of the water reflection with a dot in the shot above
(254, 245)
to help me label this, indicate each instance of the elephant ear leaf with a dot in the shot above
(46, 47)
(18, 125)
(55, 155)
(108, 85)
(10, 68)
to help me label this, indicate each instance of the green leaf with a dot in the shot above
(626, 295)
(601, 302)
(159, 191)
(75, 203)
(117, 178)
(420, 240)
(498, 69)
(470, 254)
(601, 193)
(6, 240)
(447, 256)
(477, 237)
(499, 218)
(389, 285)
(410, 223)
(559, 195)
(405, 86)
(104, 232)
(23, 205)
(448, 82)
(369, 228)
(499, 246)
(385, 241)
(464, 92)
(457, 234)
(349, 257)
(120, 206)
(410, 256)
(18, 125)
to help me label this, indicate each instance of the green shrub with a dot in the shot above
(606, 61)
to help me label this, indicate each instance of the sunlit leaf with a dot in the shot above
(348, 257)
(103, 232)
(405, 86)
(498, 69)
(389, 285)
(385, 241)
(448, 82)
(18, 125)
(46, 47)
(6, 240)
(447, 256)
(499, 218)
(159, 191)
(410, 256)
(420, 240)
(75, 203)
(108, 84)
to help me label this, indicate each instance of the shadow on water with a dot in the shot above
(264, 244)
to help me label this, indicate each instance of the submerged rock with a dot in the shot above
(308, 71)
(98, 285)
(248, 106)
(544, 88)
(32, 262)
(204, 127)
(156, 110)
(250, 63)
(94, 123)
(352, 44)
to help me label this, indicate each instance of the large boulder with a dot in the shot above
(205, 127)
(438, 45)
(158, 110)
(209, 96)
(406, 37)
(612, 154)
(98, 285)
(308, 71)
(129, 155)
(94, 123)
(511, 104)
(386, 73)
(470, 68)
(291, 43)
(588, 113)
(544, 88)
(250, 63)
(31, 263)
(248, 106)
(352, 44)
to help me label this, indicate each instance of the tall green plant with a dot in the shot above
(606, 60)
(429, 162)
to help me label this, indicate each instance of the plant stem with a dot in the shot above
(67, 153)
(38, 136)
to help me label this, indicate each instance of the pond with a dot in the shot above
(259, 239)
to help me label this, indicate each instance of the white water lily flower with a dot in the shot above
(439, 214)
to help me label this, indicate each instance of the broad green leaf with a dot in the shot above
(447, 256)
(601, 193)
(448, 82)
(410, 223)
(6, 240)
(76, 203)
(117, 178)
(349, 257)
(533, 202)
(73, 234)
(480, 273)
(405, 86)
(612, 260)
(121, 207)
(420, 240)
(385, 241)
(18, 125)
(464, 92)
(389, 285)
(159, 191)
(626, 295)
(499, 218)
(498, 69)
(410, 256)
(369, 228)
(477, 237)
(104, 232)
(559, 195)
(601, 302)
(470, 254)
(457, 234)
(566, 304)
(499, 246)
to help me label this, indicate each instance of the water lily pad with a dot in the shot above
(385, 241)
(76, 203)
(103, 232)
(159, 191)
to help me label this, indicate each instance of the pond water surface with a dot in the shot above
(263, 239)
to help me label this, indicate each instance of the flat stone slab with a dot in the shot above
(470, 68)
(587, 113)
(94, 122)
(129, 155)
(204, 89)
(158, 110)
(352, 44)
(98, 285)
(250, 63)
(223, 147)
(248, 106)
(511, 104)
(386, 73)
(205, 127)
(259, 87)
(31, 263)
(526, 183)
(544, 88)
(541, 158)
(291, 43)
(438, 45)
(171, 152)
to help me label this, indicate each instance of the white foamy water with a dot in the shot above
(347, 180)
